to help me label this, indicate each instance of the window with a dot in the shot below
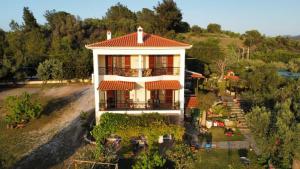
(119, 61)
(161, 61)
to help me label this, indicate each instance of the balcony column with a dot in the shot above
(96, 84)
(140, 66)
(182, 76)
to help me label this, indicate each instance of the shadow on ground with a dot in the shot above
(57, 104)
(62, 145)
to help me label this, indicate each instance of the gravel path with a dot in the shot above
(59, 139)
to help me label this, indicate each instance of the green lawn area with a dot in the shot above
(223, 159)
(219, 135)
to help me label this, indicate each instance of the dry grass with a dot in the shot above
(225, 40)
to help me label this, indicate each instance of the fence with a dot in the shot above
(77, 164)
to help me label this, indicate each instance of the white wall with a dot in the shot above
(179, 61)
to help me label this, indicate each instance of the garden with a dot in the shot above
(151, 141)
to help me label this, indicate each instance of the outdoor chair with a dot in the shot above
(147, 72)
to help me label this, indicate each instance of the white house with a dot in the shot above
(139, 73)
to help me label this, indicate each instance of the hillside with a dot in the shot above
(224, 39)
(295, 37)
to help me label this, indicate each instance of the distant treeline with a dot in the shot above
(62, 38)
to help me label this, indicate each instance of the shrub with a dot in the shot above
(21, 109)
(149, 160)
(50, 69)
(181, 156)
(220, 109)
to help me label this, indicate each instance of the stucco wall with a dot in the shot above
(134, 61)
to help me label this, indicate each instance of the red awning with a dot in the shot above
(197, 75)
(116, 85)
(163, 85)
(192, 102)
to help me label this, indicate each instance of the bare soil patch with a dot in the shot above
(53, 137)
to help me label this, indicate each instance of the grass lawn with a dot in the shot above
(223, 159)
(219, 135)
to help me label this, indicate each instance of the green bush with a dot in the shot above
(21, 109)
(220, 109)
(149, 160)
(127, 126)
(181, 156)
(50, 69)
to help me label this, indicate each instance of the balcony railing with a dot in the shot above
(131, 105)
(144, 72)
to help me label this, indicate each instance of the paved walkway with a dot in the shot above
(229, 145)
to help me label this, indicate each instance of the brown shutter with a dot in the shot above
(169, 96)
(127, 64)
(151, 61)
(109, 64)
(170, 64)
(152, 64)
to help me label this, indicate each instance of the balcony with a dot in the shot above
(144, 72)
(131, 105)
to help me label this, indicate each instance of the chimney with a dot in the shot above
(108, 35)
(140, 35)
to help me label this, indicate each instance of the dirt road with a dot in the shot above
(58, 139)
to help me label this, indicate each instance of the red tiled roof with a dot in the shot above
(197, 75)
(116, 85)
(163, 84)
(232, 77)
(130, 40)
(192, 102)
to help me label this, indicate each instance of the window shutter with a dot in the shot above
(127, 64)
(170, 64)
(151, 61)
(109, 64)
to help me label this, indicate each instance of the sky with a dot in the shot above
(270, 17)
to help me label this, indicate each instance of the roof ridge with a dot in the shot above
(149, 40)
(116, 38)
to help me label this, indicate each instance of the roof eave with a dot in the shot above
(141, 47)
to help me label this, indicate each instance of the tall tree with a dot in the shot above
(29, 20)
(3, 43)
(214, 28)
(120, 20)
(148, 20)
(169, 15)
(118, 12)
(252, 37)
